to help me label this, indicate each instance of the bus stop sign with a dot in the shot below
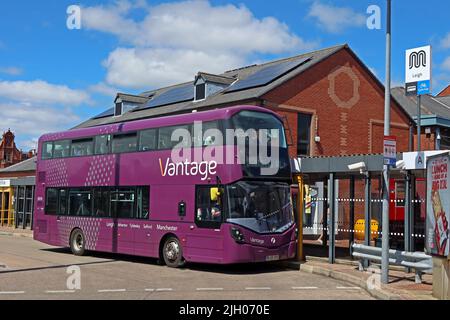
(390, 150)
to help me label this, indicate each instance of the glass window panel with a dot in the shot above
(102, 144)
(304, 134)
(148, 140)
(61, 149)
(51, 201)
(47, 150)
(101, 203)
(80, 203)
(143, 203)
(81, 148)
(122, 203)
(124, 143)
(165, 137)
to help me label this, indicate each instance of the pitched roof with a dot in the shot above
(221, 97)
(436, 106)
(27, 165)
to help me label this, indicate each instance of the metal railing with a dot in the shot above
(419, 261)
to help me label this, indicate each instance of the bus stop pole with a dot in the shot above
(367, 214)
(300, 209)
(352, 209)
(387, 131)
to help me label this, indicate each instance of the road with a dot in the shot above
(32, 270)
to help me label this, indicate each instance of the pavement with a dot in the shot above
(32, 270)
(401, 285)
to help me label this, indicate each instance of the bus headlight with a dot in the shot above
(237, 235)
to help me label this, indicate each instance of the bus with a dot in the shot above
(115, 188)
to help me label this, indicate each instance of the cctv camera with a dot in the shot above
(400, 164)
(357, 166)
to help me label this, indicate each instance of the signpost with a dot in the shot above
(418, 79)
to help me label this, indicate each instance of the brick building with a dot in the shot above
(9, 154)
(332, 103)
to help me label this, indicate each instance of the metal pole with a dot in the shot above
(407, 212)
(300, 210)
(419, 123)
(367, 215)
(352, 209)
(387, 131)
(332, 222)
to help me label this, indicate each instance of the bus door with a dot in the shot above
(206, 239)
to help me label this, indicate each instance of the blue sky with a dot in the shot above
(52, 78)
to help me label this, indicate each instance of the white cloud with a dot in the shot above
(103, 89)
(175, 40)
(12, 71)
(138, 67)
(335, 19)
(446, 41)
(39, 91)
(446, 64)
(29, 121)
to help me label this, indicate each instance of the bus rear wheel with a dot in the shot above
(78, 243)
(173, 253)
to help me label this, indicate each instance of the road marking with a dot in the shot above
(258, 288)
(149, 290)
(60, 291)
(304, 288)
(12, 292)
(112, 290)
(209, 289)
(164, 289)
(349, 288)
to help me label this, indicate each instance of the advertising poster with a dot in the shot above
(438, 206)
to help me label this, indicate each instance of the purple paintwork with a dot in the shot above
(143, 238)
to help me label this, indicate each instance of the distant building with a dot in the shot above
(435, 118)
(9, 154)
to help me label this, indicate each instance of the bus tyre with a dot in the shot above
(78, 242)
(173, 253)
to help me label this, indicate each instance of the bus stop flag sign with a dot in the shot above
(418, 71)
(390, 150)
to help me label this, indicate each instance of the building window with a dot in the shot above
(304, 134)
(200, 91)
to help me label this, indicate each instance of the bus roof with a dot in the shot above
(210, 115)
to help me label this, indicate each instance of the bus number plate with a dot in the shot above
(273, 258)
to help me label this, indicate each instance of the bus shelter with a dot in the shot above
(340, 203)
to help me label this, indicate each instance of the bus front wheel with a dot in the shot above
(173, 253)
(78, 242)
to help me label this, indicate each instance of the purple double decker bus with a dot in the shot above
(116, 188)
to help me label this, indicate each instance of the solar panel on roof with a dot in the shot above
(104, 114)
(175, 95)
(267, 75)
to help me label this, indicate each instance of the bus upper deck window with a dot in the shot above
(47, 150)
(102, 144)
